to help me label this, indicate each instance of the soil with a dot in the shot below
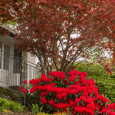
(25, 112)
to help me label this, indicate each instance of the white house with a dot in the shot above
(14, 67)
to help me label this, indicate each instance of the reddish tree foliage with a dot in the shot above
(5, 7)
(45, 28)
(103, 22)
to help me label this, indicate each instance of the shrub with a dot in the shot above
(78, 93)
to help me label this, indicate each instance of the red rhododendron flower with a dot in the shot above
(111, 113)
(105, 100)
(85, 94)
(43, 75)
(62, 77)
(77, 100)
(21, 88)
(48, 79)
(72, 103)
(83, 83)
(44, 94)
(90, 112)
(59, 106)
(82, 77)
(59, 96)
(66, 82)
(32, 90)
(70, 73)
(76, 82)
(75, 72)
(83, 89)
(52, 84)
(52, 102)
(85, 74)
(95, 93)
(51, 73)
(111, 106)
(80, 110)
(25, 91)
(59, 90)
(25, 82)
(56, 74)
(88, 100)
(104, 110)
(43, 78)
(39, 88)
(100, 97)
(43, 100)
(90, 106)
(72, 78)
(90, 82)
(34, 81)
(64, 95)
(89, 91)
(72, 91)
(82, 97)
(97, 106)
(31, 81)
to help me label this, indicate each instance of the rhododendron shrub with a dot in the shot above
(79, 94)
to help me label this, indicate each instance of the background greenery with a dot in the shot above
(104, 81)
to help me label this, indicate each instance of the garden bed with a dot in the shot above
(25, 112)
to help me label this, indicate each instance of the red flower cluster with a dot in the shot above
(79, 96)
(52, 102)
(25, 82)
(43, 100)
(25, 91)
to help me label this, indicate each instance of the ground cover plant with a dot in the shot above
(78, 93)
(10, 105)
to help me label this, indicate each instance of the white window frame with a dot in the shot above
(6, 57)
(2, 56)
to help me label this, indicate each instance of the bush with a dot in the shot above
(79, 94)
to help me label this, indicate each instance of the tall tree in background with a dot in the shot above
(45, 28)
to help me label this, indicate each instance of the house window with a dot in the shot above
(17, 61)
(6, 56)
(0, 54)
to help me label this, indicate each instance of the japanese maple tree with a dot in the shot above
(46, 27)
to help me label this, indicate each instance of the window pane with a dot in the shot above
(6, 57)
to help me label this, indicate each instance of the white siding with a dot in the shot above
(8, 41)
(30, 58)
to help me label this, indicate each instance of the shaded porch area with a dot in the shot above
(14, 70)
